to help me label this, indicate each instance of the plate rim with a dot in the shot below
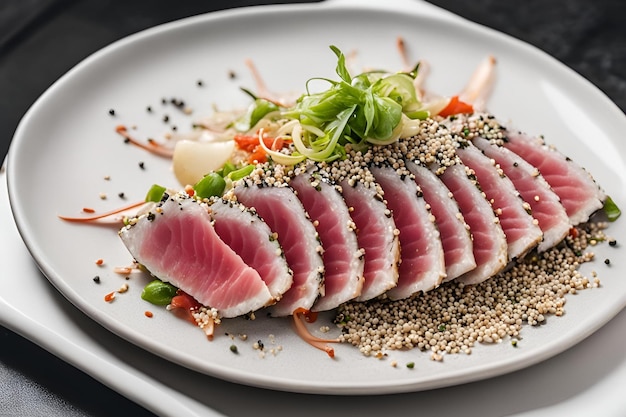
(229, 374)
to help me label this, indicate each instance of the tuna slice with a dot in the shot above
(422, 267)
(520, 228)
(343, 260)
(251, 238)
(377, 235)
(543, 202)
(489, 241)
(179, 245)
(279, 207)
(455, 236)
(579, 193)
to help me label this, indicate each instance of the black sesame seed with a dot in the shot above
(142, 165)
(199, 83)
(96, 279)
(112, 112)
(607, 261)
(612, 242)
(149, 109)
(166, 118)
(121, 195)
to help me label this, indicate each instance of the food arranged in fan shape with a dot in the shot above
(365, 198)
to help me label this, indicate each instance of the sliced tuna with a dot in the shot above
(376, 235)
(279, 207)
(520, 228)
(579, 193)
(422, 267)
(250, 237)
(489, 241)
(454, 231)
(178, 244)
(543, 202)
(343, 259)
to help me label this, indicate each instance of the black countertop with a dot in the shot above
(42, 39)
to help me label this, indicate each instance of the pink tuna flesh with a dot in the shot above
(180, 246)
(250, 237)
(422, 267)
(376, 234)
(282, 211)
(520, 228)
(343, 260)
(578, 192)
(544, 204)
(489, 241)
(454, 231)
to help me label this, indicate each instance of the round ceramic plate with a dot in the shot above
(66, 155)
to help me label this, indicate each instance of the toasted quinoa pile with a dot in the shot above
(454, 317)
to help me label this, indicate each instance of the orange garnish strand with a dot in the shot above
(300, 315)
(152, 146)
(102, 215)
(109, 297)
(88, 210)
(148, 314)
(99, 261)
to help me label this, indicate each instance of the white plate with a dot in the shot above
(66, 145)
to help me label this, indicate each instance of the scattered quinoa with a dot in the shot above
(455, 317)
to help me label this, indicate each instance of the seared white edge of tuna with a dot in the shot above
(543, 202)
(422, 265)
(453, 230)
(489, 241)
(250, 237)
(178, 244)
(279, 207)
(343, 259)
(520, 228)
(579, 193)
(377, 235)
(387, 209)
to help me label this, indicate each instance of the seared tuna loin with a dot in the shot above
(178, 244)
(422, 266)
(248, 235)
(489, 241)
(343, 259)
(543, 202)
(453, 230)
(376, 235)
(279, 207)
(579, 193)
(520, 228)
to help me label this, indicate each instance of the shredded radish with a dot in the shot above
(479, 86)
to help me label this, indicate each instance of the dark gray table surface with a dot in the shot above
(42, 39)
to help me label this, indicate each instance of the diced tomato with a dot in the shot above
(185, 304)
(251, 144)
(246, 142)
(456, 106)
